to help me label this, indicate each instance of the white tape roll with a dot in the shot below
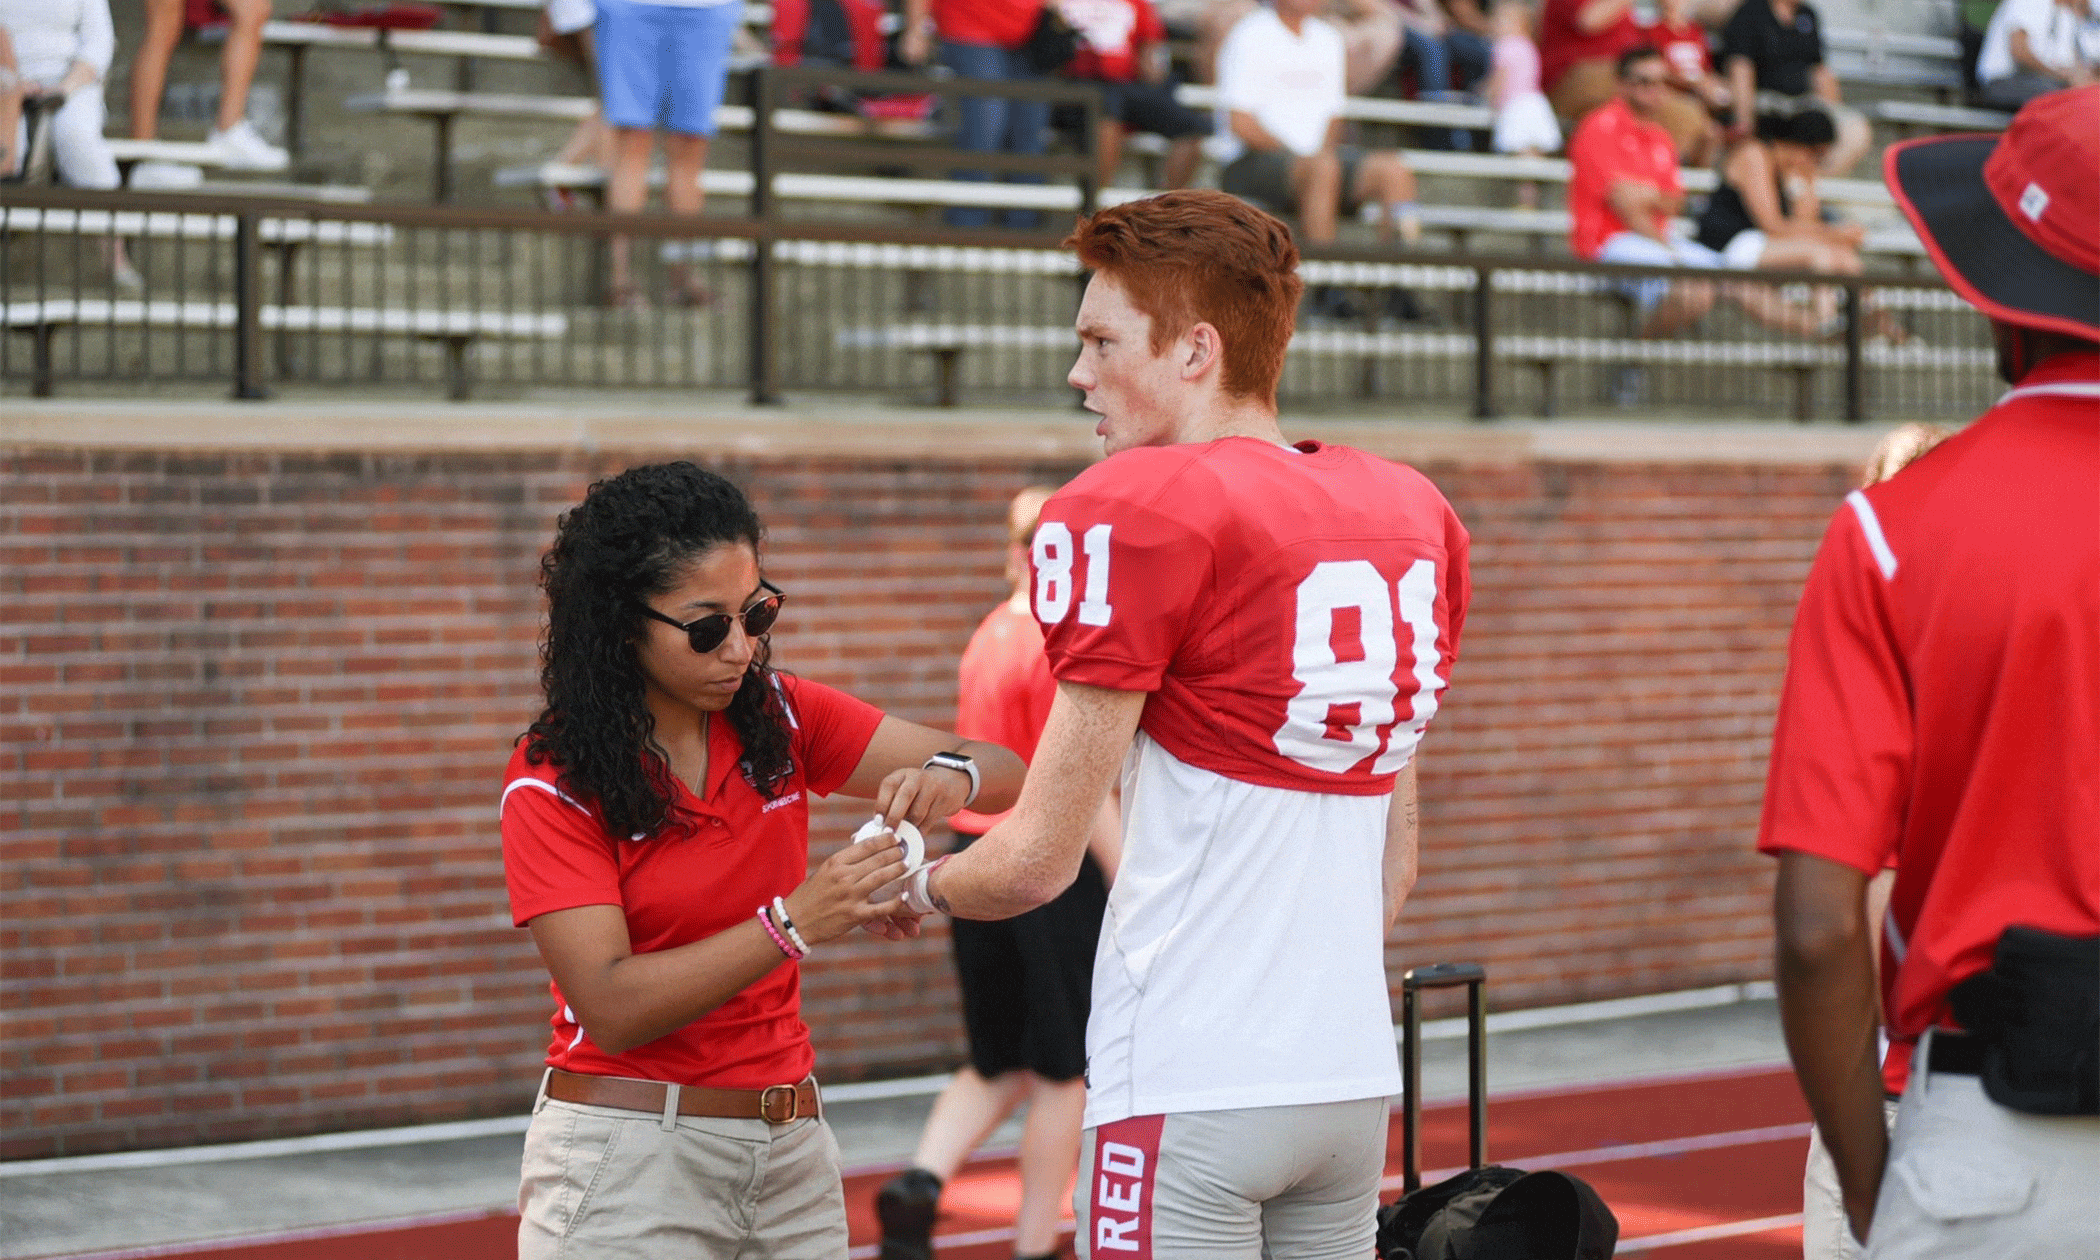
(914, 843)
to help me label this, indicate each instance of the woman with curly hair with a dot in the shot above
(655, 841)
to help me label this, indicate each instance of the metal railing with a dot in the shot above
(258, 293)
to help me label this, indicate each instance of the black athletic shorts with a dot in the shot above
(1263, 176)
(1027, 981)
(1151, 107)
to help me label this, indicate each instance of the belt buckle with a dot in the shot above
(766, 1105)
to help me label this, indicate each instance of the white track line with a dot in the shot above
(1633, 1150)
(1731, 1229)
(317, 1234)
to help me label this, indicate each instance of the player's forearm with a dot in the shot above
(1015, 867)
(1827, 1007)
(1034, 855)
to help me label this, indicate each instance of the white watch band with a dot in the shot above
(957, 761)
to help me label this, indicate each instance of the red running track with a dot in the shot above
(1696, 1168)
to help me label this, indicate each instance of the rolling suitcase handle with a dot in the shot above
(1412, 982)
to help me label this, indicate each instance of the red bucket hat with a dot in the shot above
(2013, 222)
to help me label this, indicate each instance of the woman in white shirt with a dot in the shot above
(61, 50)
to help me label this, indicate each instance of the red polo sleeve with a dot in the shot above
(555, 854)
(830, 731)
(1842, 750)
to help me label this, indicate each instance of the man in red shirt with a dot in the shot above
(1624, 189)
(1024, 980)
(1942, 709)
(1122, 45)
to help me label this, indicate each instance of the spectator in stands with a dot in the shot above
(239, 145)
(1765, 215)
(565, 32)
(1682, 42)
(662, 63)
(1524, 123)
(1623, 196)
(54, 54)
(2037, 46)
(1579, 43)
(984, 39)
(1446, 58)
(1122, 45)
(1772, 53)
(1279, 131)
(1371, 38)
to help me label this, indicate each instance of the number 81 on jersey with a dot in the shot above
(1348, 683)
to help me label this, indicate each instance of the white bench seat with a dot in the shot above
(193, 227)
(457, 329)
(1939, 117)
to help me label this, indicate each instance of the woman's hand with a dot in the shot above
(921, 795)
(834, 899)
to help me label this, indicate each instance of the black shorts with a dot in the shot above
(1027, 981)
(1151, 107)
(1263, 176)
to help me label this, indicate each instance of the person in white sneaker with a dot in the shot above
(239, 145)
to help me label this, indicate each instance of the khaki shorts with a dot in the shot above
(599, 1183)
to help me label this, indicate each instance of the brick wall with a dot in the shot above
(256, 706)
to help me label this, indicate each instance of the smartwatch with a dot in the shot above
(956, 761)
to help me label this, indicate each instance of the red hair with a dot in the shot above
(1200, 256)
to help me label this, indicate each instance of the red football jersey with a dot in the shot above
(1293, 611)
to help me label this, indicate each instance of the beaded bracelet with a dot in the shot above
(787, 925)
(766, 921)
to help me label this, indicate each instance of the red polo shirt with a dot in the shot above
(709, 869)
(1006, 693)
(1562, 43)
(1942, 700)
(1613, 144)
(1007, 23)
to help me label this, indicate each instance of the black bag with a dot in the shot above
(1487, 1212)
(2037, 1013)
(1053, 42)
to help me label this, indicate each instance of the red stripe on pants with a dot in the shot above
(1119, 1203)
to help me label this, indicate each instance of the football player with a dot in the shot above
(1255, 633)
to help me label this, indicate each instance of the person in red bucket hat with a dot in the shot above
(1941, 715)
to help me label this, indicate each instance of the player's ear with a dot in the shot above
(1204, 350)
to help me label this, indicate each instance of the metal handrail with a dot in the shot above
(764, 229)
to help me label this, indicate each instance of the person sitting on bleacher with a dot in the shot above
(1524, 124)
(1623, 196)
(1279, 131)
(240, 146)
(2037, 46)
(1772, 52)
(984, 39)
(1623, 190)
(1682, 42)
(1122, 45)
(55, 52)
(1765, 216)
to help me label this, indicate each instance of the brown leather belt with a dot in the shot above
(776, 1104)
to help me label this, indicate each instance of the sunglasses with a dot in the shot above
(705, 634)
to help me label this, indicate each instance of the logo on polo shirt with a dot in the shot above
(777, 802)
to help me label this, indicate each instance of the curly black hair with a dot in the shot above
(627, 541)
